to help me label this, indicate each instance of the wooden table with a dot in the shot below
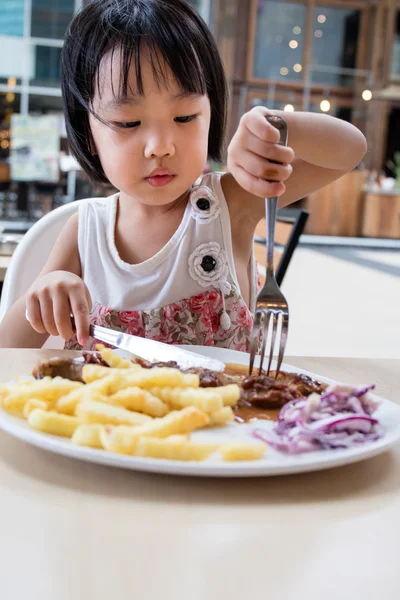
(69, 529)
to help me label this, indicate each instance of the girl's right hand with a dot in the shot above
(51, 301)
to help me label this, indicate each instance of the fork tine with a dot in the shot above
(265, 324)
(282, 342)
(255, 334)
(274, 319)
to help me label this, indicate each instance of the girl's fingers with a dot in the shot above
(259, 167)
(33, 314)
(256, 186)
(47, 313)
(256, 122)
(80, 309)
(280, 154)
(62, 311)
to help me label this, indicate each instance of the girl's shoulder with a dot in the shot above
(98, 208)
(98, 202)
(211, 181)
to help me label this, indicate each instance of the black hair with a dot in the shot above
(171, 30)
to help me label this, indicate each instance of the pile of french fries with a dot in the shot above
(130, 410)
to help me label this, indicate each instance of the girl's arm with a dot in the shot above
(48, 302)
(322, 149)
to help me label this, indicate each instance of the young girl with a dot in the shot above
(170, 255)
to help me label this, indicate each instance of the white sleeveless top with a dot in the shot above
(187, 293)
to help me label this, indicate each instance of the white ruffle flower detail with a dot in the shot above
(208, 264)
(205, 205)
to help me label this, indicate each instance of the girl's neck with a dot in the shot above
(129, 207)
(153, 227)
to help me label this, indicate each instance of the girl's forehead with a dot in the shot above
(116, 75)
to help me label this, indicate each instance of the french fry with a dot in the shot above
(121, 439)
(114, 359)
(68, 404)
(173, 449)
(242, 451)
(182, 437)
(136, 399)
(158, 377)
(230, 394)
(92, 373)
(58, 387)
(47, 389)
(52, 422)
(90, 411)
(4, 391)
(25, 381)
(124, 439)
(88, 435)
(178, 397)
(222, 416)
(32, 404)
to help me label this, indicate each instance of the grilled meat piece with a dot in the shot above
(265, 391)
(69, 368)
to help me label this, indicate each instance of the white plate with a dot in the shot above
(274, 463)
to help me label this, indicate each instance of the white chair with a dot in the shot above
(30, 256)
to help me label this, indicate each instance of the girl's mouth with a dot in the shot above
(159, 180)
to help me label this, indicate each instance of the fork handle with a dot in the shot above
(271, 205)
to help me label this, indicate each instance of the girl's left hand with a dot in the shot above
(254, 152)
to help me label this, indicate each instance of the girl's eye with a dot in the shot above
(185, 119)
(128, 125)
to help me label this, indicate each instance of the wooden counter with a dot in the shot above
(336, 209)
(381, 215)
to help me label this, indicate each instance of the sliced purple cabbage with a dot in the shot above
(340, 418)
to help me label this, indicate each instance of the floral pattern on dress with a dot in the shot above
(193, 321)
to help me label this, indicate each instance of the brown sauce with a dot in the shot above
(247, 413)
(234, 369)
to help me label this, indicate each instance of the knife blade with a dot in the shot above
(153, 350)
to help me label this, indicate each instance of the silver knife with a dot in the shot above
(153, 350)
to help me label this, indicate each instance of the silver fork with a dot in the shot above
(272, 311)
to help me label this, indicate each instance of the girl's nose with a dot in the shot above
(159, 145)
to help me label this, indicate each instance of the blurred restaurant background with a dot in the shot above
(340, 57)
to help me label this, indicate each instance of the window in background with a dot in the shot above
(335, 38)
(50, 18)
(12, 17)
(47, 66)
(395, 67)
(203, 7)
(281, 100)
(293, 100)
(44, 105)
(10, 81)
(279, 41)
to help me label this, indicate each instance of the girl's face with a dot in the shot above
(157, 147)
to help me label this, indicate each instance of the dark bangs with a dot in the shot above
(169, 31)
